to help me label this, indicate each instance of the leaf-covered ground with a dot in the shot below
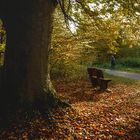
(94, 115)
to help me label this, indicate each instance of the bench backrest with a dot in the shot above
(95, 72)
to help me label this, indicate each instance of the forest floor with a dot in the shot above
(95, 115)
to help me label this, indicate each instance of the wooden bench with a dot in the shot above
(97, 78)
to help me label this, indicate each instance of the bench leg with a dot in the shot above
(103, 85)
(94, 82)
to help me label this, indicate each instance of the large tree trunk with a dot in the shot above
(26, 76)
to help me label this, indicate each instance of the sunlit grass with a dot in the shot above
(122, 80)
(136, 70)
(120, 67)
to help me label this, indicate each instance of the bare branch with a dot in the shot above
(67, 17)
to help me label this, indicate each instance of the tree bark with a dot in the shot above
(26, 68)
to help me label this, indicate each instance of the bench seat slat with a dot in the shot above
(101, 78)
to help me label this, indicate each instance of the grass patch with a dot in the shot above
(122, 80)
(129, 62)
(135, 70)
(120, 67)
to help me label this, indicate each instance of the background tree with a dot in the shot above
(65, 49)
(107, 27)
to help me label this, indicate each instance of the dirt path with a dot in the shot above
(130, 75)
